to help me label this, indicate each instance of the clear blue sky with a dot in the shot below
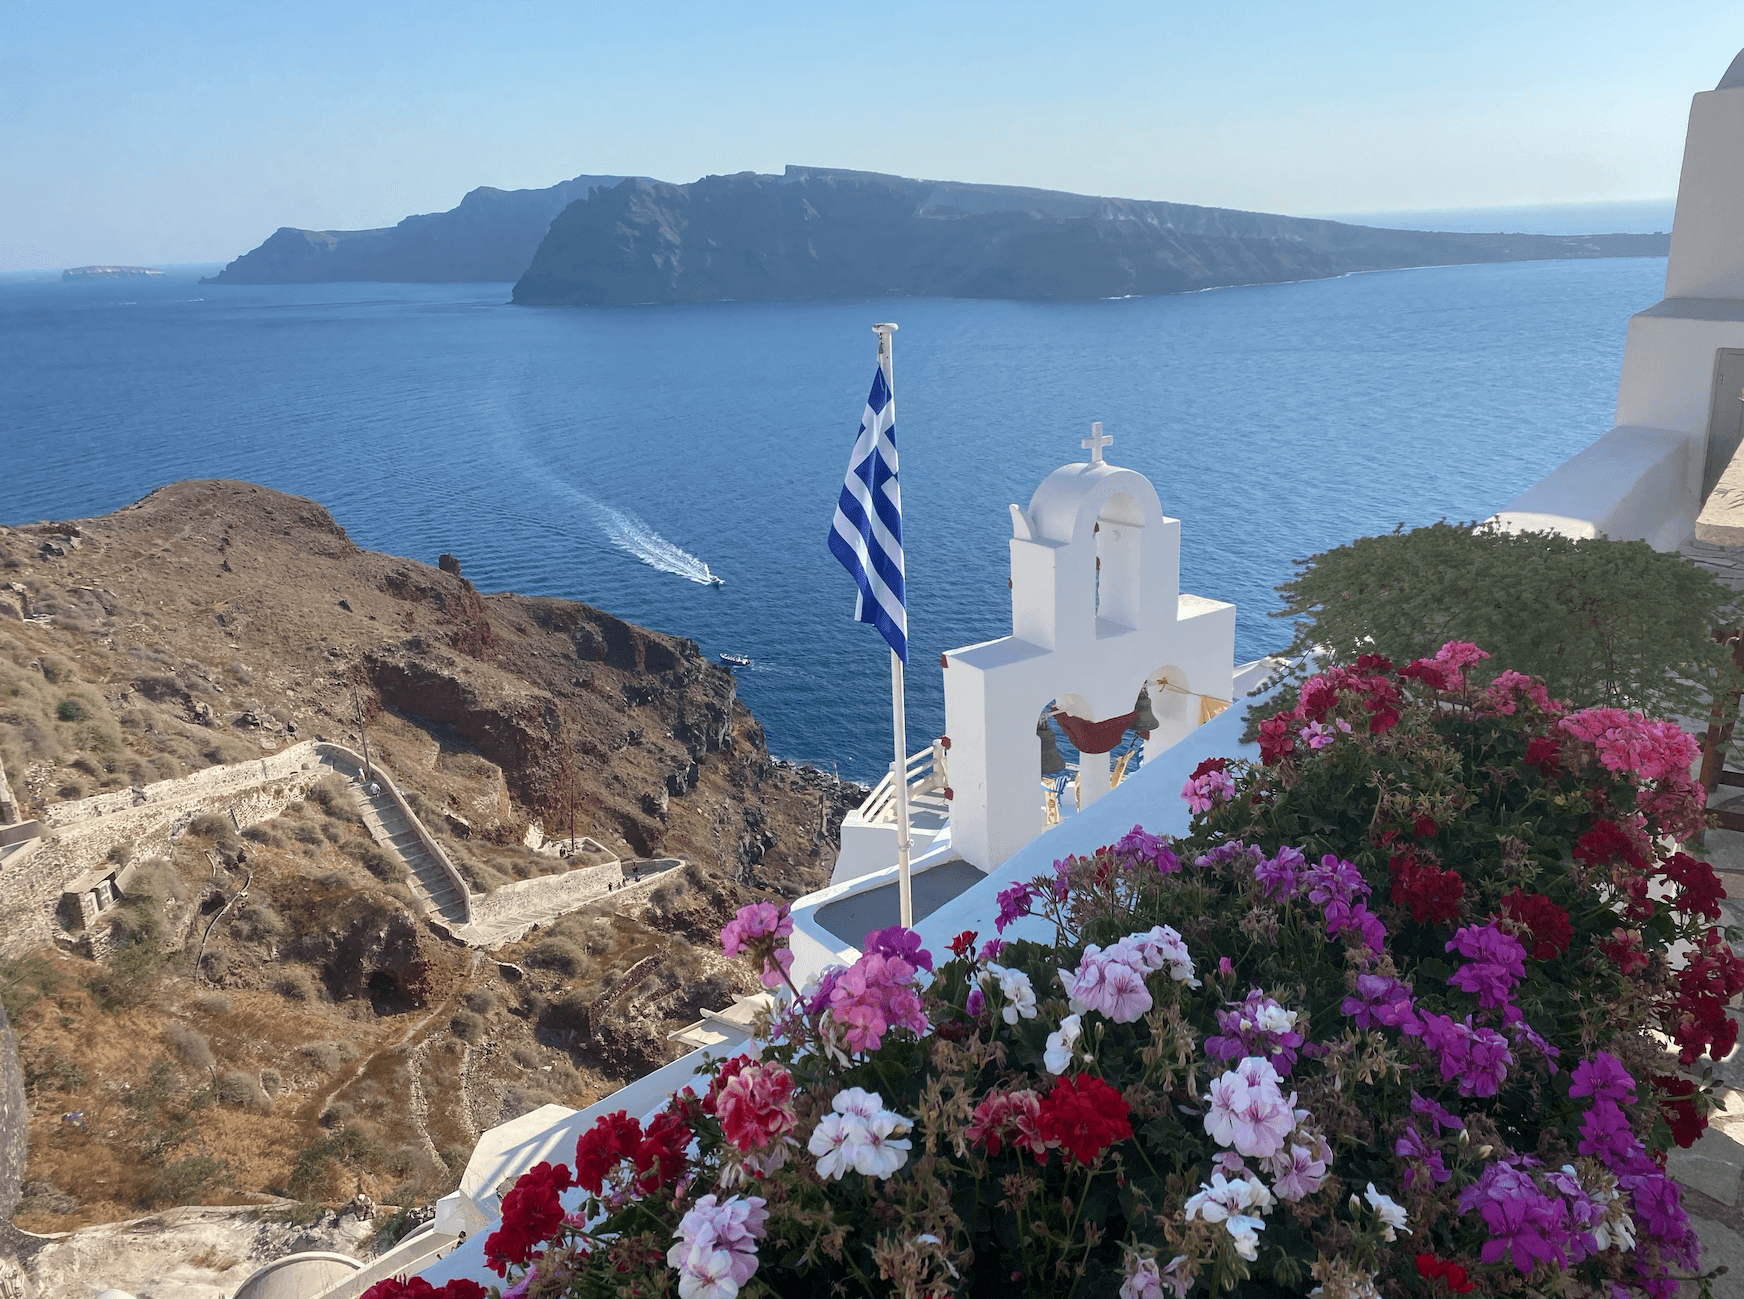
(167, 131)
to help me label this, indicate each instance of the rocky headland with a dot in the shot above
(268, 1015)
(818, 232)
(821, 233)
(491, 235)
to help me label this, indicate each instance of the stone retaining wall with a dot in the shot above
(544, 895)
(213, 781)
(14, 1121)
(82, 833)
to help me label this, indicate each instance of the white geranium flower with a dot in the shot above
(1058, 1056)
(1273, 1018)
(1245, 1232)
(704, 1271)
(1019, 994)
(834, 1141)
(882, 1149)
(1390, 1212)
(858, 1102)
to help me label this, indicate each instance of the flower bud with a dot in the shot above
(1355, 1204)
(1464, 1137)
(1484, 1151)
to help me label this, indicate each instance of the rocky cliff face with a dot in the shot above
(817, 233)
(490, 236)
(221, 616)
(267, 1013)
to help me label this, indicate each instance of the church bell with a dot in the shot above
(1143, 719)
(1052, 763)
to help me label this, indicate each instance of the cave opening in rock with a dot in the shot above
(386, 996)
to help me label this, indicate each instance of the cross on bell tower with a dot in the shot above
(1095, 442)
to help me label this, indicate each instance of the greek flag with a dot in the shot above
(867, 535)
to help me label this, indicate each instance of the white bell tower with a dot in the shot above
(1096, 614)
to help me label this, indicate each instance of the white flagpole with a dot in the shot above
(899, 769)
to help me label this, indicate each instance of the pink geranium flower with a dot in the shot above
(756, 1106)
(1248, 1111)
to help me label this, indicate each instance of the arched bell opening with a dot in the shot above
(1177, 706)
(1119, 535)
(1080, 759)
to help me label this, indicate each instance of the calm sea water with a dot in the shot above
(606, 455)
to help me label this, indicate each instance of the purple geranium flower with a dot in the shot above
(1603, 1078)
(1150, 848)
(1430, 1109)
(1605, 1132)
(1013, 902)
(1376, 996)
(1495, 963)
(898, 942)
(1277, 875)
(1257, 1026)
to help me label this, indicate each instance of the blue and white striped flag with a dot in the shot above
(867, 535)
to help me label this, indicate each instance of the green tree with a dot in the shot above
(1602, 622)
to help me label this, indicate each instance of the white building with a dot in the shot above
(1679, 407)
(1097, 616)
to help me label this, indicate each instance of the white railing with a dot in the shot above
(925, 772)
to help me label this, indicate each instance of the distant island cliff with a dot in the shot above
(107, 272)
(491, 235)
(817, 232)
(821, 233)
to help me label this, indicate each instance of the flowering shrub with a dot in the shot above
(1384, 1022)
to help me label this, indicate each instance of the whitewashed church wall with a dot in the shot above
(1707, 238)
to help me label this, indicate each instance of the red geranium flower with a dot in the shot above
(613, 1137)
(532, 1213)
(1623, 947)
(1276, 742)
(719, 1081)
(1544, 753)
(659, 1156)
(417, 1287)
(1373, 663)
(1208, 766)
(963, 943)
(1424, 827)
(1710, 978)
(1551, 932)
(1687, 1122)
(1430, 1268)
(1431, 894)
(1701, 889)
(1432, 674)
(1604, 844)
(1084, 1115)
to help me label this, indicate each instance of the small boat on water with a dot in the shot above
(716, 581)
(737, 660)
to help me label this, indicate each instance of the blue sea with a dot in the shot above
(609, 455)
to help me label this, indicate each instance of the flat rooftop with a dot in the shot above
(852, 918)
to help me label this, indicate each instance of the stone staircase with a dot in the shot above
(388, 826)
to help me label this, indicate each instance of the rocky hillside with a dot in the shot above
(490, 236)
(268, 1020)
(821, 233)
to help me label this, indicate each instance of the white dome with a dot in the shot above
(297, 1276)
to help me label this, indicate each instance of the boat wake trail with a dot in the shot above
(629, 533)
